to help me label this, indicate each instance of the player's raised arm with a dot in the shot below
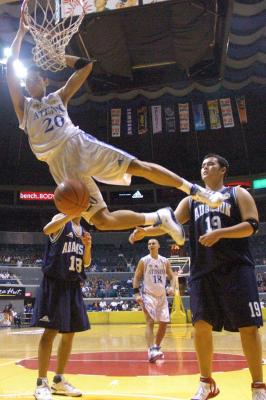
(83, 68)
(13, 81)
(86, 240)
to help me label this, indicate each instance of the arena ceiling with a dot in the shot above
(178, 47)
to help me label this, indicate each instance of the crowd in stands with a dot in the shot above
(7, 278)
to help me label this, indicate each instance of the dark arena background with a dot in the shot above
(172, 81)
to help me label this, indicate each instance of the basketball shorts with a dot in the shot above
(85, 158)
(59, 305)
(226, 299)
(156, 307)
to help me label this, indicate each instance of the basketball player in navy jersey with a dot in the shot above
(72, 153)
(59, 306)
(223, 287)
(152, 271)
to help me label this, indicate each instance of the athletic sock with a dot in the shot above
(150, 218)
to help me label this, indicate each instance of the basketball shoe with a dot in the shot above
(212, 199)
(155, 353)
(207, 389)
(258, 391)
(168, 223)
(62, 387)
(42, 391)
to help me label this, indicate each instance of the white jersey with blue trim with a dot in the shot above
(47, 124)
(154, 278)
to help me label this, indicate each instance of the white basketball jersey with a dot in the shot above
(154, 278)
(47, 124)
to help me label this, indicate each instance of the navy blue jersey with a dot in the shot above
(226, 253)
(63, 259)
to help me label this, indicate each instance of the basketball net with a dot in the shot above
(50, 32)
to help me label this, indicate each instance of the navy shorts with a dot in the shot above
(226, 298)
(59, 305)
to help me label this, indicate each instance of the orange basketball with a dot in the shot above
(71, 197)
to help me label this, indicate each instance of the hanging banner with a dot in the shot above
(142, 120)
(129, 122)
(214, 115)
(156, 114)
(183, 109)
(241, 108)
(116, 121)
(227, 114)
(199, 119)
(170, 125)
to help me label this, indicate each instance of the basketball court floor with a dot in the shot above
(110, 362)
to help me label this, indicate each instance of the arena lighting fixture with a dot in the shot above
(20, 70)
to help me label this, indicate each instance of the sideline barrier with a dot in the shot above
(116, 317)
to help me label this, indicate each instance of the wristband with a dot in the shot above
(81, 63)
(136, 290)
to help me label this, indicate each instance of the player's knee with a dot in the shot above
(102, 220)
(138, 167)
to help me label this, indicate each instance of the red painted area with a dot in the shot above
(136, 364)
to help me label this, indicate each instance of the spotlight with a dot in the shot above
(20, 70)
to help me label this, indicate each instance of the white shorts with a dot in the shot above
(84, 157)
(157, 307)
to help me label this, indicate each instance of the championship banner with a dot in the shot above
(73, 7)
(156, 113)
(214, 115)
(129, 122)
(183, 109)
(12, 292)
(170, 125)
(142, 120)
(227, 114)
(199, 119)
(92, 6)
(116, 121)
(241, 108)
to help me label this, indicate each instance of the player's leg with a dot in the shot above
(252, 348)
(160, 332)
(204, 311)
(60, 386)
(204, 347)
(162, 176)
(42, 391)
(63, 351)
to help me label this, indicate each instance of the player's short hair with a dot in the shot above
(221, 161)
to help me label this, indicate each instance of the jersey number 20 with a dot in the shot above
(58, 121)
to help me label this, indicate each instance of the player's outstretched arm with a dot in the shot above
(57, 223)
(83, 69)
(13, 81)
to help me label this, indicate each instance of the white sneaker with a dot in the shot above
(167, 221)
(42, 391)
(155, 353)
(64, 388)
(212, 199)
(207, 389)
(258, 391)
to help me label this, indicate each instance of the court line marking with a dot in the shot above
(105, 393)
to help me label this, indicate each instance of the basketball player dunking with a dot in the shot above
(223, 287)
(72, 153)
(152, 270)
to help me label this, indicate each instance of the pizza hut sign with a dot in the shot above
(11, 292)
